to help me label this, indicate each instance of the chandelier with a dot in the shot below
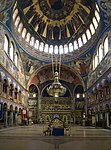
(56, 89)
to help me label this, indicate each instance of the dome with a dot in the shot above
(56, 26)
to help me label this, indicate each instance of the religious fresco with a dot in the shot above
(12, 69)
(66, 75)
(81, 65)
(58, 19)
(6, 5)
(105, 6)
(30, 65)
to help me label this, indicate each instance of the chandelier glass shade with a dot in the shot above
(56, 89)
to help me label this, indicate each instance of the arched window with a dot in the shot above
(51, 49)
(11, 90)
(11, 50)
(95, 23)
(32, 41)
(41, 47)
(105, 45)
(15, 93)
(97, 15)
(17, 21)
(28, 37)
(65, 48)
(84, 38)
(92, 28)
(15, 14)
(96, 60)
(6, 44)
(101, 53)
(56, 50)
(46, 48)
(20, 27)
(61, 49)
(97, 7)
(16, 59)
(24, 32)
(88, 33)
(36, 45)
(5, 85)
(75, 45)
(70, 47)
(80, 42)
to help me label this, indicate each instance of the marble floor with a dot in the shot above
(32, 138)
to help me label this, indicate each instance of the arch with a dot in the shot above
(15, 93)
(16, 108)
(11, 52)
(33, 88)
(11, 107)
(47, 118)
(78, 89)
(37, 90)
(11, 89)
(17, 20)
(6, 43)
(105, 45)
(5, 85)
(15, 14)
(16, 59)
(20, 110)
(101, 50)
(5, 107)
(64, 67)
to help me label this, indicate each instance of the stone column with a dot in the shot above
(73, 110)
(11, 118)
(96, 119)
(15, 118)
(39, 108)
(7, 94)
(5, 118)
(107, 118)
(101, 115)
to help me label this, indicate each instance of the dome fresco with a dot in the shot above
(58, 21)
(56, 27)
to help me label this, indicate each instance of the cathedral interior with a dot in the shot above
(55, 67)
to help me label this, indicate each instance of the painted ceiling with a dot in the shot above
(57, 21)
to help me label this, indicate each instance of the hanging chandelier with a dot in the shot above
(56, 89)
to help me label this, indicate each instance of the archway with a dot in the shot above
(33, 103)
